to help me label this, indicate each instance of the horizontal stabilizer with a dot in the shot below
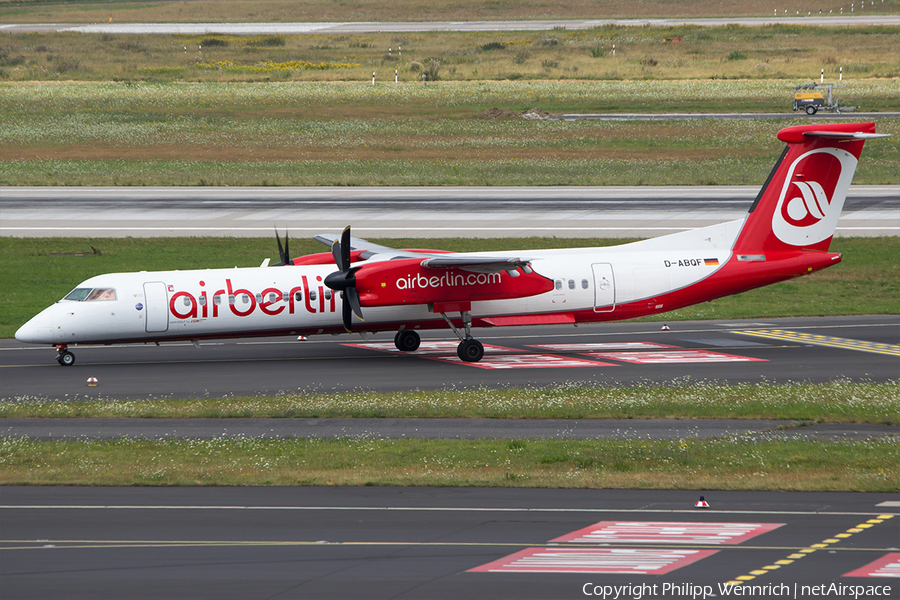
(841, 135)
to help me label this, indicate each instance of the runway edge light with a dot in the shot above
(701, 503)
(92, 381)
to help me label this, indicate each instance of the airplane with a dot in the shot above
(785, 234)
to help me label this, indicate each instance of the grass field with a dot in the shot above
(773, 52)
(835, 402)
(81, 109)
(731, 463)
(346, 134)
(31, 278)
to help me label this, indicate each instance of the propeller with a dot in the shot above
(283, 253)
(344, 281)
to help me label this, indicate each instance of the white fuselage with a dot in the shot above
(293, 300)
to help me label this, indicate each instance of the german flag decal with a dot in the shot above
(711, 262)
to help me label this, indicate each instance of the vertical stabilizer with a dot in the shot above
(799, 205)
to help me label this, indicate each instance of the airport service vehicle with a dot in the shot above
(810, 99)
(785, 234)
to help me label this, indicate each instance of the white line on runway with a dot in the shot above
(423, 508)
(95, 229)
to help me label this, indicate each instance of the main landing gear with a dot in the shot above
(64, 357)
(407, 341)
(469, 349)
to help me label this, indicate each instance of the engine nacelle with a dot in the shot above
(404, 282)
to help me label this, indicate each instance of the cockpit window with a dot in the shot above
(91, 294)
(79, 294)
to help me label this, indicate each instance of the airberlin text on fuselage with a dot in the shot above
(446, 280)
(270, 301)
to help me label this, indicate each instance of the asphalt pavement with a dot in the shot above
(440, 543)
(815, 349)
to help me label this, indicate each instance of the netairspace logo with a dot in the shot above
(776, 590)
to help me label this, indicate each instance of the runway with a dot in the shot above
(406, 211)
(864, 348)
(453, 429)
(463, 26)
(426, 543)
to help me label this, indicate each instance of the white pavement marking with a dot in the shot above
(886, 566)
(525, 361)
(470, 26)
(595, 346)
(667, 532)
(632, 561)
(426, 509)
(425, 348)
(666, 357)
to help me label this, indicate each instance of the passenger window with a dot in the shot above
(231, 299)
(217, 300)
(571, 284)
(258, 298)
(328, 294)
(273, 297)
(298, 296)
(312, 295)
(559, 284)
(584, 284)
(245, 298)
(202, 300)
(186, 301)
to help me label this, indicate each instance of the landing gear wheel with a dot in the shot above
(470, 350)
(65, 358)
(811, 110)
(407, 341)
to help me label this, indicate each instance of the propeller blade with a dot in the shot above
(280, 249)
(287, 253)
(353, 300)
(283, 252)
(344, 280)
(336, 253)
(345, 249)
(346, 315)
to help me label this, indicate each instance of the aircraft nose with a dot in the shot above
(39, 330)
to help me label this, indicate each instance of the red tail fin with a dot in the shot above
(799, 205)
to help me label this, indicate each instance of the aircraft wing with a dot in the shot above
(370, 249)
(475, 264)
(479, 264)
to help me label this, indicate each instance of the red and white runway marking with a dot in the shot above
(525, 361)
(590, 347)
(426, 348)
(664, 357)
(886, 566)
(635, 561)
(666, 532)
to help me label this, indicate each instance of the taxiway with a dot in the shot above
(863, 348)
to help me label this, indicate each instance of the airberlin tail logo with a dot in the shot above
(808, 208)
(813, 196)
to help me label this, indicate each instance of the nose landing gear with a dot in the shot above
(64, 357)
